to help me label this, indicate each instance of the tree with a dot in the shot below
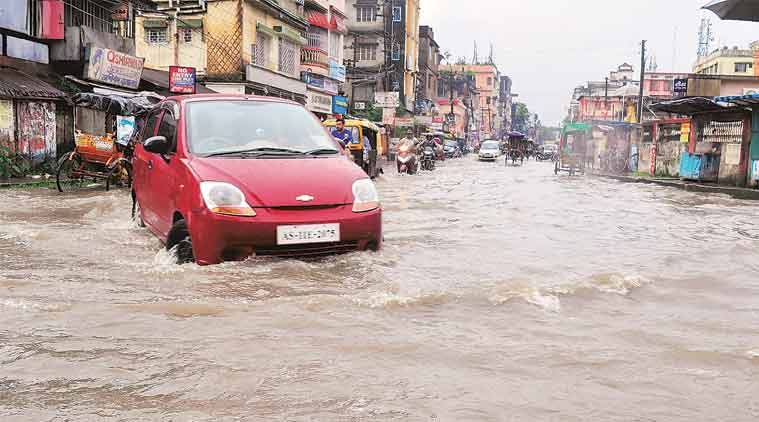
(520, 118)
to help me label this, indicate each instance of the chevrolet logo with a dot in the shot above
(305, 198)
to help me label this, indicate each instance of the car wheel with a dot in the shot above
(180, 242)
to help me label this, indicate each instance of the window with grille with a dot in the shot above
(727, 132)
(155, 35)
(335, 45)
(367, 52)
(187, 35)
(743, 67)
(397, 14)
(288, 57)
(317, 38)
(366, 14)
(396, 54)
(261, 49)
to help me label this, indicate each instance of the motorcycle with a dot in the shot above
(428, 159)
(406, 160)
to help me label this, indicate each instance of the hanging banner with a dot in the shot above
(124, 129)
(336, 71)
(388, 116)
(112, 67)
(181, 80)
(685, 132)
(340, 104)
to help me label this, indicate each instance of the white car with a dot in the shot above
(489, 151)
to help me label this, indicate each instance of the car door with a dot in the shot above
(140, 183)
(162, 172)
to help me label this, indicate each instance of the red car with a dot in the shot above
(221, 177)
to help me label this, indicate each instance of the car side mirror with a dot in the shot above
(156, 145)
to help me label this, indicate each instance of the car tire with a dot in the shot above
(180, 241)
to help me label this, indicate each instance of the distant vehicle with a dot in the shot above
(452, 149)
(489, 151)
(550, 152)
(221, 177)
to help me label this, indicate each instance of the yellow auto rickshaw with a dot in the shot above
(368, 144)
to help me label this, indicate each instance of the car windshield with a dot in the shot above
(490, 145)
(228, 126)
(451, 143)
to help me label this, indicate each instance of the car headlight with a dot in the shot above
(365, 196)
(226, 199)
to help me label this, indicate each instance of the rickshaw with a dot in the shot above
(103, 154)
(572, 148)
(365, 134)
(514, 148)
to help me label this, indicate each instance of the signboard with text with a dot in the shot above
(387, 99)
(114, 68)
(340, 104)
(680, 87)
(318, 103)
(336, 71)
(181, 80)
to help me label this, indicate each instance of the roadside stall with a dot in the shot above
(671, 137)
(718, 140)
(750, 102)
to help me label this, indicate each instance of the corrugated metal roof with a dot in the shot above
(689, 106)
(17, 84)
(741, 100)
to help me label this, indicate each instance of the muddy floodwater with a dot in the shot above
(501, 294)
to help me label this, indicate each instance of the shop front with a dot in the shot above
(750, 102)
(28, 116)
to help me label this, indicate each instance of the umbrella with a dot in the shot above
(735, 10)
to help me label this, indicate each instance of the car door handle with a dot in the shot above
(150, 164)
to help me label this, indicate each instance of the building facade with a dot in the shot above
(365, 52)
(322, 66)
(428, 76)
(730, 61)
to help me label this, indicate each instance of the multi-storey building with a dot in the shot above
(428, 76)
(382, 49)
(486, 79)
(730, 61)
(322, 58)
(505, 102)
(238, 46)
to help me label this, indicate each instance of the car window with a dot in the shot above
(149, 129)
(233, 125)
(168, 128)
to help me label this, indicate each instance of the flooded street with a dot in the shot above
(502, 293)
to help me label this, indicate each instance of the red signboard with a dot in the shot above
(181, 80)
(52, 19)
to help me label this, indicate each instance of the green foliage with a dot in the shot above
(371, 113)
(521, 118)
(12, 164)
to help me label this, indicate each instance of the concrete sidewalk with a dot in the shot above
(28, 182)
(735, 192)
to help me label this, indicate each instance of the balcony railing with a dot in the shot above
(314, 56)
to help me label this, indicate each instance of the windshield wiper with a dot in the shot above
(322, 151)
(256, 152)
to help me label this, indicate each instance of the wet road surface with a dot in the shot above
(501, 294)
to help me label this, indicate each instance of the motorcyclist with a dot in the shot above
(409, 141)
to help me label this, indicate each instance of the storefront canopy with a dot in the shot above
(116, 104)
(740, 100)
(17, 84)
(689, 106)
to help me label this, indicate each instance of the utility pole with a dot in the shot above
(606, 93)
(642, 78)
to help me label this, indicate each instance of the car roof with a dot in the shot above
(222, 96)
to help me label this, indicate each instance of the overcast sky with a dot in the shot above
(548, 47)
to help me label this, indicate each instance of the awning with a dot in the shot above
(318, 19)
(190, 23)
(689, 106)
(17, 84)
(116, 104)
(740, 100)
(338, 24)
(155, 23)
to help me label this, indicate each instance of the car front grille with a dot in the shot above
(309, 250)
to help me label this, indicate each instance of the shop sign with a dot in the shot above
(685, 132)
(437, 126)
(120, 12)
(423, 120)
(437, 119)
(340, 104)
(320, 82)
(388, 116)
(124, 129)
(336, 70)
(112, 67)
(359, 105)
(680, 87)
(384, 99)
(318, 103)
(404, 121)
(181, 80)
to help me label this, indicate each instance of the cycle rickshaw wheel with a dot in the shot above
(65, 177)
(119, 175)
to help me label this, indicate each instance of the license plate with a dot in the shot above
(312, 233)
